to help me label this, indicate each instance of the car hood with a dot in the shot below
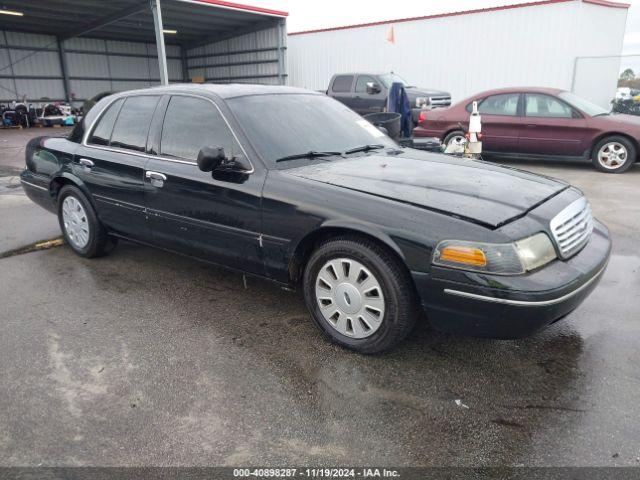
(414, 92)
(476, 191)
(619, 119)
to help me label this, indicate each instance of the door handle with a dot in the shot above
(86, 164)
(157, 179)
(531, 125)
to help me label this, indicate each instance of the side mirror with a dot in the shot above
(210, 158)
(373, 88)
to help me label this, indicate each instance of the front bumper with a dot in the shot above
(512, 307)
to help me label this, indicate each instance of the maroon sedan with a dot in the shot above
(541, 123)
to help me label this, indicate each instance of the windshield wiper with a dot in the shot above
(364, 148)
(604, 114)
(311, 154)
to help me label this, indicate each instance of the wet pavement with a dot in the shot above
(149, 358)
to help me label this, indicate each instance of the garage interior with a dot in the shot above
(72, 50)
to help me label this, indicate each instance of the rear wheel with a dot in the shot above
(80, 226)
(613, 154)
(455, 138)
(359, 295)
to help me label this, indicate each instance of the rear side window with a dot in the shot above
(342, 83)
(191, 124)
(545, 106)
(503, 104)
(102, 133)
(132, 125)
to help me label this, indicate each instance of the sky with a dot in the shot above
(312, 14)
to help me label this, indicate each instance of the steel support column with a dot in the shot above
(185, 63)
(162, 54)
(281, 39)
(64, 69)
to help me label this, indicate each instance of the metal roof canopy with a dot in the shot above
(198, 22)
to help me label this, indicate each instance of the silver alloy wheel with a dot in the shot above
(76, 223)
(458, 140)
(612, 155)
(350, 297)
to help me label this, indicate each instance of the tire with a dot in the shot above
(370, 267)
(451, 136)
(623, 149)
(80, 226)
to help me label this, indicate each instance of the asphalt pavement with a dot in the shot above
(149, 358)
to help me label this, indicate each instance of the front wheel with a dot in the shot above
(80, 226)
(613, 154)
(359, 295)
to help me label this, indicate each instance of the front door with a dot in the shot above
(365, 102)
(213, 216)
(552, 127)
(111, 164)
(501, 122)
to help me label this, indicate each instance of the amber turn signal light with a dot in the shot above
(464, 255)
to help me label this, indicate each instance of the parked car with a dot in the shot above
(310, 195)
(368, 92)
(542, 123)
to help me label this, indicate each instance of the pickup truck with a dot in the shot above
(367, 92)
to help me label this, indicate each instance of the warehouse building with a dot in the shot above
(569, 44)
(69, 50)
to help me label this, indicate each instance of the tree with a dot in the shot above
(628, 75)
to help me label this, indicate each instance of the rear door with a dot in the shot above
(214, 216)
(111, 164)
(342, 90)
(552, 127)
(368, 102)
(501, 122)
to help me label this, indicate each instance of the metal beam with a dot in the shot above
(162, 54)
(106, 20)
(64, 69)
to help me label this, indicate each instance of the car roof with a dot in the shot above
(224, 91)
(551, 91)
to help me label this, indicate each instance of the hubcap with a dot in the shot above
(350, 297)
(76, 224)
(457, 140)
(612, 155)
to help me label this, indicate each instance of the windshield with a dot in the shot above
(388, 78)
(291, 124)
(580, 103)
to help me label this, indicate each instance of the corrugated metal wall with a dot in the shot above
(250, 58)
(465, 54)
(30, 66)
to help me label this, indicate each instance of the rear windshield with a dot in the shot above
(289, 124)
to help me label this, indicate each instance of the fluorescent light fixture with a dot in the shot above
(11, 12)
(169, 31)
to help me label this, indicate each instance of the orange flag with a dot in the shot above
(391, 35)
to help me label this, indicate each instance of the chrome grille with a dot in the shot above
(439, 101)
(572, 227)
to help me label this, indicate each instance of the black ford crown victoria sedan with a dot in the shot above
(293, 186)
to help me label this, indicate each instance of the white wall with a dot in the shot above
(465, 54)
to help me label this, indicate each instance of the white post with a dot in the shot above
(162, 54)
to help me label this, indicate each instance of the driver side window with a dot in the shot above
(193, 123)
(361, 84)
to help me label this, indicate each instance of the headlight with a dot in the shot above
(422, 102)
(499, 258)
